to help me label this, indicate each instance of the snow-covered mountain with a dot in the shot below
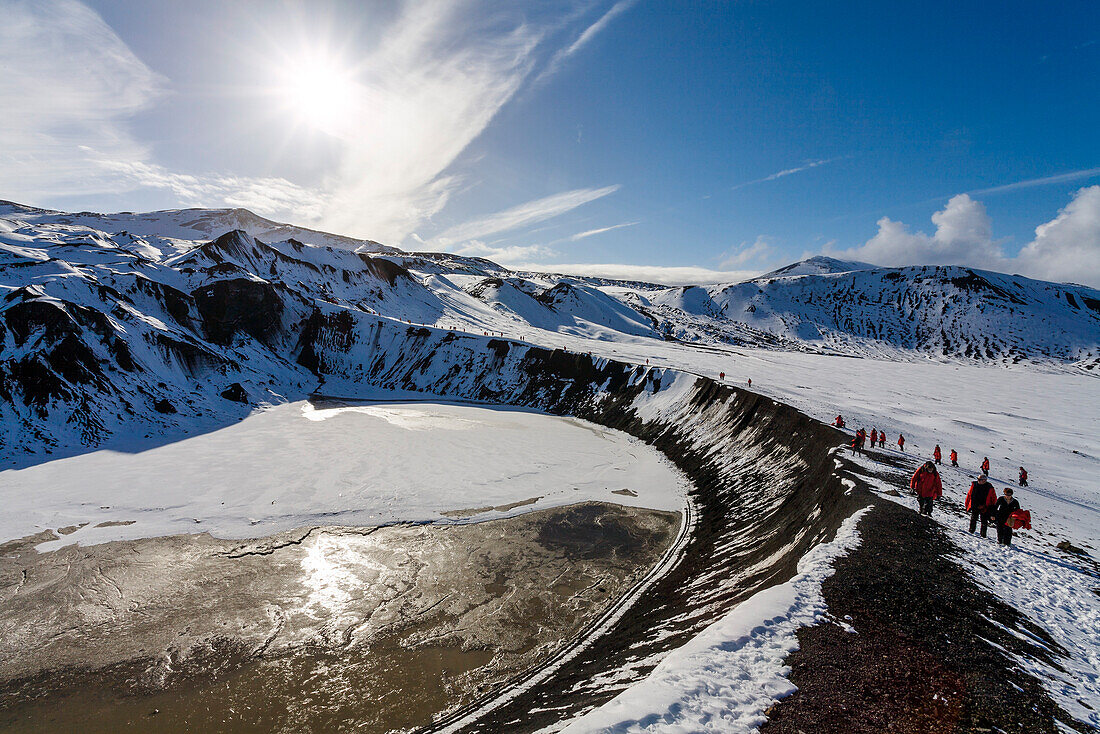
(894, 313)
(153, 321)
(176, 227)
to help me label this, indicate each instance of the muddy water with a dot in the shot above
(330, 629)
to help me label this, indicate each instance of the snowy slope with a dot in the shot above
(100, 327)
(132, 340)
(188, 225)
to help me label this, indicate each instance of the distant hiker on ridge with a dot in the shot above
(980, 499)
(985, 466)
(954, 457)
(882, 439)
(1023, 477)
(927, 486)
(750, 382)
(936, 455)
(901, 442)
(874, 437)
(839, 422)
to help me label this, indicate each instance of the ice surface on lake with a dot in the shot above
(301, 464)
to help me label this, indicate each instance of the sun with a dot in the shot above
(320, 91)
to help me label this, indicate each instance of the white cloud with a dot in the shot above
(963, 236)
(522, 215)
(584, 38)
(673, 276)
(275, 198)
(439, 77)
(504, 255)
(1066, 248)
(592, 232)
(786, 172)
(758, 251)
(68, 83)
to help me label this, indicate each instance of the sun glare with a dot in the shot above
(320, 92)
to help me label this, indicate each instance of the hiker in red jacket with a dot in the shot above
(980, 499)
(1023, 477)
(874, 437)
(985, 466)
(901, 442)
(936, 454)
(1003, 509)
(954, 457)
(927, 486)
(839, 422)
(721, 375)
(882, 439)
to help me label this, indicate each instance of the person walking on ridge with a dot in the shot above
(882, 439)
(980, 499)
(1004, 508)
(936, 455)
(927, 486)
(985, 466)
(901, 442)
(1023, 477)
(874, 437)
(954, 457)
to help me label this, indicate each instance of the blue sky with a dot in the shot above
(669, 140)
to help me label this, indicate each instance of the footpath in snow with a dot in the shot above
(1057, 589)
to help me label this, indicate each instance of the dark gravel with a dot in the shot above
(919, 660)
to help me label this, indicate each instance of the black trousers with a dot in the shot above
(925, 505)
(1004, 535)
(975, 516)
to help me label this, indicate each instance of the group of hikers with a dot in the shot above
(877, 437)
(982, 502)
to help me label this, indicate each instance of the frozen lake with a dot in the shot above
(304, 464)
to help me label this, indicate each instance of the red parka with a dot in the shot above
(985, 466)
(936, 454)
(983, 503)
(926, 484)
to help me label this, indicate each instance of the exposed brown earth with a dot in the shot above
(330, 629)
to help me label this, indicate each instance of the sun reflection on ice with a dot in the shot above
(340, 570)
(411, 419)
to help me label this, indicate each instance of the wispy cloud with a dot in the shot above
(601, 230)
(434, 84)
(417, 100)
(69, 83)
(759, 251)
(786, 172)
(506, 255)
(672, 276)
(584, 38)
(516, 217)
(1044, 181)
(271, 197)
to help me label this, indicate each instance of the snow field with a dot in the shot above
(298, 464)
